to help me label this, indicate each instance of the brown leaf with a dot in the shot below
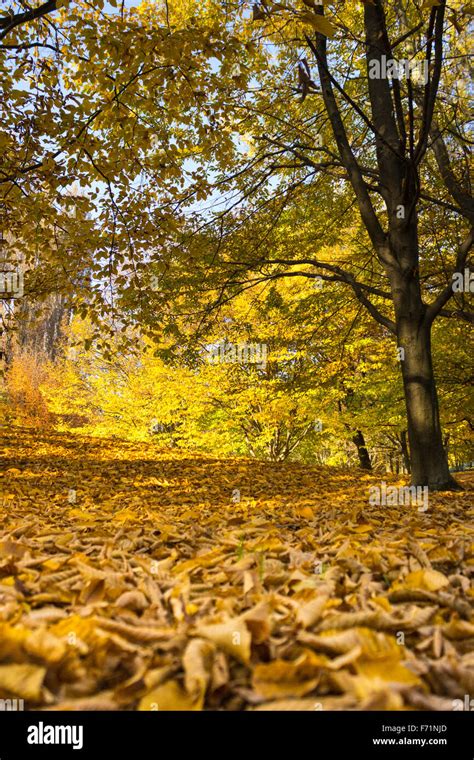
(288, 679)
(310, 612)
(232, 637)
(169, 696)
(24, 681)
(197, 665)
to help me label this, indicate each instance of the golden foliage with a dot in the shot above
(152, 590)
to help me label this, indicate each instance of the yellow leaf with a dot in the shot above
(312, 704)
(125, 514)
(53, 564)
(383, 602)
(320, 23)
(459, 629)
(373, 644)
(44, 645)
(79, 628)
(197, 664)
(364, 528)
(387, 670)
(24, 681)
(12, 549)
(232, 637)
(11, 641)
(426, 579)
(82, 514)
(311, 611)
(169, 696)
(204, 560)
(249, 581)
(368, 688)
(288, 679)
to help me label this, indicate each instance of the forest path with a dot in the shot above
(137, 578)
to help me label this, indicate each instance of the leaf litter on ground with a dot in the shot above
(132, 579)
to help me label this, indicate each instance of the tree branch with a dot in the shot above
(7, 23)
(434, 309)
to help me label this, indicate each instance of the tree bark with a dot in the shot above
(429, 464)
(362, 452)
(398, 155)
(405, 451)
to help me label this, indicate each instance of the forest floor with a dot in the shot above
(134, 578)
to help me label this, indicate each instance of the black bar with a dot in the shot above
(246, 734)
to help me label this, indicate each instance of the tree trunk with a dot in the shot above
(405, 451)
(364, 457)
(399, 153)
(429, 464)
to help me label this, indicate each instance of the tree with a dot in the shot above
(296, 113)
(399, 156)
(385, 133)
(314, 393)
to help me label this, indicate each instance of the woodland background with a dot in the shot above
(236, 297)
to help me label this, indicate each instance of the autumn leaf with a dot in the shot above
(387, 670)
(197, 665)
(232, 637)
(169, 696)
(24, 681)
(288, 679)
(319, 23)
(165, 599)
(310, 611)
(426, 579)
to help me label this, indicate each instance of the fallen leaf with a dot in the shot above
(232, 637)
(24, 681)
(169, 696)
(197, 665)
(288, 679)
(425, 579)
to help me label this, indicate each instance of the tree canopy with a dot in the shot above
(162, 159)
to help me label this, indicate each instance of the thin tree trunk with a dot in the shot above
(405, 451)
(363, 454)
